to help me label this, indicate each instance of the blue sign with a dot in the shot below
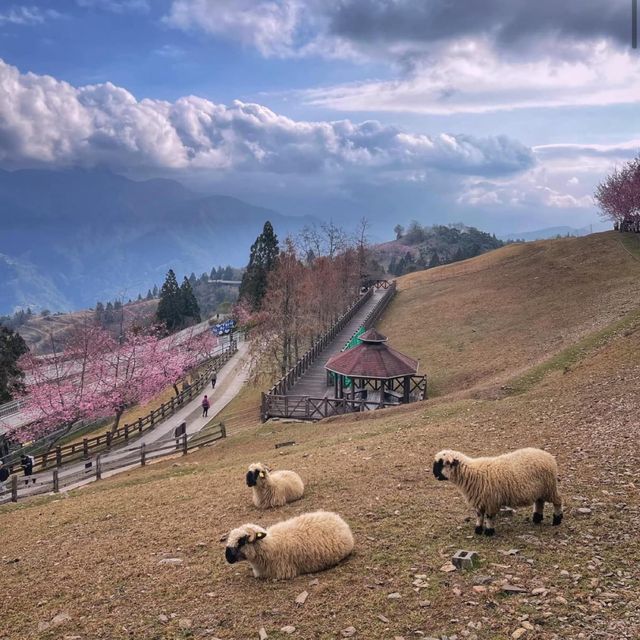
(224, 328)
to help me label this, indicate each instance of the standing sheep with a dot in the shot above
(516, 479)
(273, 489)
(305, 544)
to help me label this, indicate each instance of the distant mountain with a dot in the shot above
(553, 232)
(70, 238)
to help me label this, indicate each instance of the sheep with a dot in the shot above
(304, 544)
(273, 488)
(515, 479)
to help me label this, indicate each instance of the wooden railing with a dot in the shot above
(88, 446)
(287, 381)
(307, 408)
(26, 487)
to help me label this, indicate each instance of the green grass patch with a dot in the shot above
(575, 353)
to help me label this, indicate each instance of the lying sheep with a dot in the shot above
(305, 544)
(273, 489)
(514, 479)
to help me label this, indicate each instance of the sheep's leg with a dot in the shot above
(538, 511)
(479, 521)
(490, 524)
(557, 510)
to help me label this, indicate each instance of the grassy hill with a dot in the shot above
(558, 322)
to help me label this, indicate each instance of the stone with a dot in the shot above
(478, 588)
(383, 618)
(585, 511)
(262, 634)
(464, 560)
(448, 568)
(314, 583)
(43, 626)
(288, 629)
(162, 618)
(185, 623)
(394, 596)
(423, 604)
(301, 598)
(61, 618)
(171, 561)
(348, 632)
(510, 588)
(539, 591)
(518, 633)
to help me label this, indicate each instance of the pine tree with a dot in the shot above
(139, 297)
(169, 310)
(435, 260)
(155, 290)
(12, 346)
(264, 252)
(190, 309)
(149, 295)
(99, 312)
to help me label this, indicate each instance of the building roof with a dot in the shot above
(373, 358)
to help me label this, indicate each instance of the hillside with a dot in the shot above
(69, 238)
(558, 322)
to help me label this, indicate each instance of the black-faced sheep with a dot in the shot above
(516, 479)
(305, 544)
(273, 488)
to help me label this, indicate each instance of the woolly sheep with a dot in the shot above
(305, 544)
(273, 488)
(515, 479)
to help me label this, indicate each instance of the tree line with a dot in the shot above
(618, 196)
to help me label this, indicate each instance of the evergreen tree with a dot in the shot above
(262, 259)
(190, 309)
(12, 346)
(227, 274)
(108, 314)
(192, 278)
(435, 260)
(99, 312)
(214, 274)
(155, 290)
(169, 310)
(149, 295)
(139, 297)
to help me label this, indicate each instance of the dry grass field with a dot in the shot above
(557, 323)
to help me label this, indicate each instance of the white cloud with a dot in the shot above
(26, 15)
(46, 121)
(470, 77)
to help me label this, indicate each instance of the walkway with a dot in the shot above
(314, 382)
(230, 380)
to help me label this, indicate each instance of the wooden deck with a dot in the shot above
(314, 382)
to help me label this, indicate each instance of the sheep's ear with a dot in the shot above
(260, 535)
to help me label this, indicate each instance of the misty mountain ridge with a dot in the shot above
(70, 238)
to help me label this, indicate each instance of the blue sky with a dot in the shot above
(501, 113)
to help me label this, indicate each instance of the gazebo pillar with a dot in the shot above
(406, 388)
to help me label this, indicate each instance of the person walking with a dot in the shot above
(214, 379)
(26, 462)
(205, 407)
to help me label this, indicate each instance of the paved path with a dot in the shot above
(314, 382)
(230, 380)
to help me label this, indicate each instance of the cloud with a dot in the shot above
(44, 121)
(26, 16)
(448, 55)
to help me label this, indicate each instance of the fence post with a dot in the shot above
(223, 429)
(56, 486)
(109, 436)
(172, 405)
(99, 467)
(14, 488)
(85, 447)
(58, 456)
(143, 455)
(185, 449)
(126, 433)
(139, 425)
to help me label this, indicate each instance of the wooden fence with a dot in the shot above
(308, 408)
(26, 487)
(78, 450)
(299, 368)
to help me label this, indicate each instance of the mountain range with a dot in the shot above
(69, 238)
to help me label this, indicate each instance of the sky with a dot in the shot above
(499, 113)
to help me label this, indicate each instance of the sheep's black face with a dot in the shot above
(233, 554)
(252, 478)
(438, 466)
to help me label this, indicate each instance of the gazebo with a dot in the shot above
(375, 373)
